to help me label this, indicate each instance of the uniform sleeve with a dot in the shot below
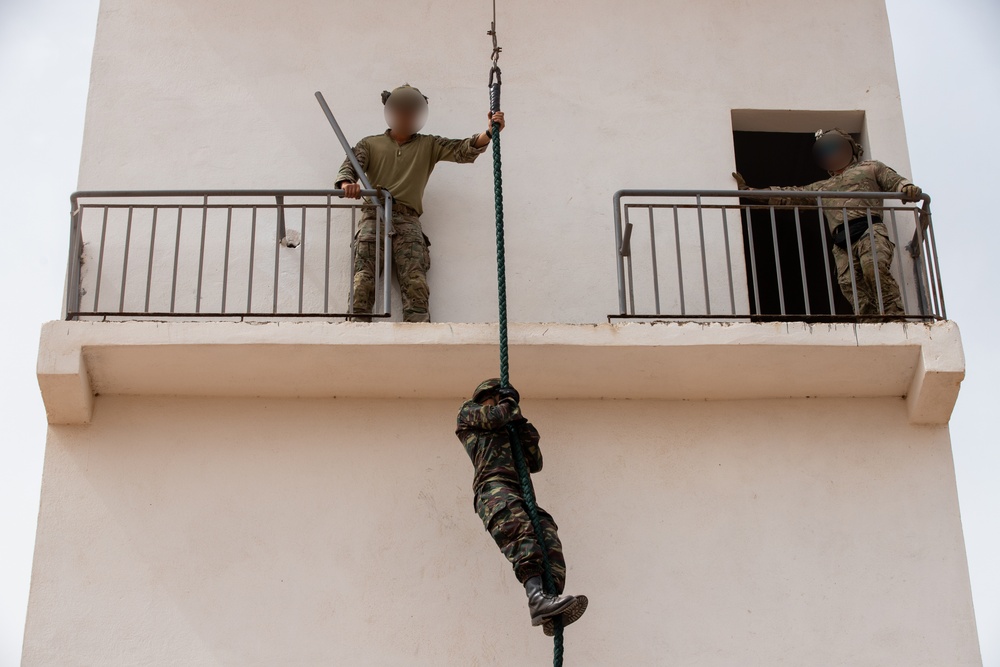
(347, 172)
(789, 201)
(529, 437)
(486, 417)
(887, 178)
(461, 151)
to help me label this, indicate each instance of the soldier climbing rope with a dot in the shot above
(517, 452)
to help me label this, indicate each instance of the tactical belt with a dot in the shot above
(857, 226)
(397, 209)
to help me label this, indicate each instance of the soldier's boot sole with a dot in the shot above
(571, 615)
(555, 610)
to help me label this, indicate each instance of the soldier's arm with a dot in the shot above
(347, 173)
(462, 151)
(529, 437)
(890, 181)
(789, 201)
(487, 417)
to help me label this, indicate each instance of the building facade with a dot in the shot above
(743, 471)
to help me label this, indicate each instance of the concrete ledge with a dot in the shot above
(691, 361)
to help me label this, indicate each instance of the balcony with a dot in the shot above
(238, 294)
(719, 255)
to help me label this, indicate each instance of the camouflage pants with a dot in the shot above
(506, 518)
(411, 258)
(864, 273)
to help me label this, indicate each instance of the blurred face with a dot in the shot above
(833, 152)
(405, 112)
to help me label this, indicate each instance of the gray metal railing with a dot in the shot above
(728, 255)
(219, 254)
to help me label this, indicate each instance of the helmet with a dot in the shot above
(825, 138)
(405, 108)
(405, 94)
(486, 387)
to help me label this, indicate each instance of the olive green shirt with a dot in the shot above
(404, 169)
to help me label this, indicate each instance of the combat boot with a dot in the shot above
(543, 605)
(570, 615)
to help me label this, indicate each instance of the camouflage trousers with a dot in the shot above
(505, 517)
(410, 257)
(864, 273)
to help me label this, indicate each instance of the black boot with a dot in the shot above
(542, 605)
(569, 615)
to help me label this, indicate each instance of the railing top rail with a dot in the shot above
(143, 194)
(759, 194)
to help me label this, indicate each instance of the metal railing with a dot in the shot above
(728, 255)
(219, 254)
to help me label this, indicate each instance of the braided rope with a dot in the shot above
(527, 489)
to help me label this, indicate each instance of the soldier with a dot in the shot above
(483, 424)
(838, 153)
(401, 161)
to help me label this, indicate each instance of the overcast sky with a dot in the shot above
(948, 58)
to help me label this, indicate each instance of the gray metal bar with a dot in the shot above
(704, 260)
(225, 261)
(253, 239)
(128, 239)
(100, 260)
(680, 268)
(875, 267)
(387, 269)
(850, 261)
(277, 264)
(656, 273)
(302, 258)
(919, 252)
(201, 257)
(937, 265)
(619, 260)
(279, 202)
(326, 268)
(177, 250)
(802, 260)
(826, 253)
(72, 283)
(753, 262)
(898, 256)
(777, 263)
(729, 263)
(350, 288)
(149, 267)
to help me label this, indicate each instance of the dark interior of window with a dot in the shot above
(785, 158)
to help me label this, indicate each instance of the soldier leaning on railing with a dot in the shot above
(838, 153)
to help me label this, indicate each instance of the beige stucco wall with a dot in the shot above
(304, 532)
(600, 95)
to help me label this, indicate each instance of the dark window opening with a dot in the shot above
(785, 158)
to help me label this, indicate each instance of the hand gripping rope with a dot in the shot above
(527, 490)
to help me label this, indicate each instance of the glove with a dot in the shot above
(741, 182)
(509, 393)
(911, 192)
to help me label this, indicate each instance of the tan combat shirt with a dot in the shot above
(867, 176)
(404, 169)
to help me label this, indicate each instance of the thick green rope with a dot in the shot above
(527, 489)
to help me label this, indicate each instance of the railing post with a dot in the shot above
(619, 259)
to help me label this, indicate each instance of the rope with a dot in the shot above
(527, 489)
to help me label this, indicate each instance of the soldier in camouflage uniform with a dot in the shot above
(482, 428)
(838, 153)
(401, 161)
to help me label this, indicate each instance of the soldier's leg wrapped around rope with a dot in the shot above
(506, 519)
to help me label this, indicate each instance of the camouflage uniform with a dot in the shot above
(403, 170)
(866, 176)
(498, 499)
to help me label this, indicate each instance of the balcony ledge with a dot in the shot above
(675, 361)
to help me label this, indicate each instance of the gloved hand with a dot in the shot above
(509, 393)
(741, 182)
(911, 192)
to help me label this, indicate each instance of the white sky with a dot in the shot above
(948, 59)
